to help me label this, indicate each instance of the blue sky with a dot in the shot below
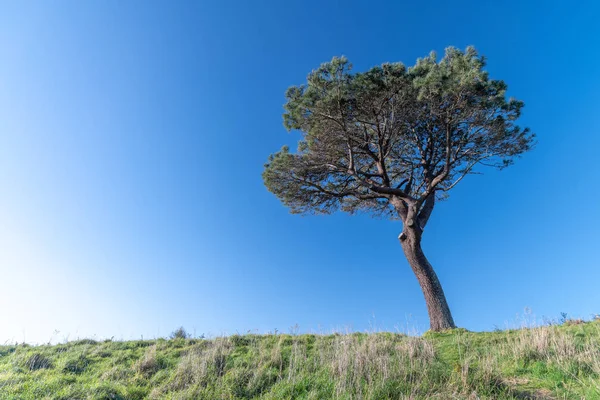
(133, 137)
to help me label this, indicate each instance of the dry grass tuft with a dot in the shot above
(38, 361)
(148, 364)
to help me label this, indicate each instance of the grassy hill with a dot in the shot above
(550, 362)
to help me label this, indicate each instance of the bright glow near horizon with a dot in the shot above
(132, 140)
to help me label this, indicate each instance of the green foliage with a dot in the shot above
(180, 333)
(558, 361)
(392, 132)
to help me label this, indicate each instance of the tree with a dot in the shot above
(393, 141)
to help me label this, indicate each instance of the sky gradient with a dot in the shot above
(133, 137)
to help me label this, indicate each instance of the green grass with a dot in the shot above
(550, 362)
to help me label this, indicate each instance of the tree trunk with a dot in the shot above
(440, 317)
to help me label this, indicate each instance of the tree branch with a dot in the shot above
(425, 212)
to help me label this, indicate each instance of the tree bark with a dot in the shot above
(440, 317)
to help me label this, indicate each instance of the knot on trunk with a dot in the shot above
(402, 237)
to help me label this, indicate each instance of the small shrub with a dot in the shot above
(180, 333)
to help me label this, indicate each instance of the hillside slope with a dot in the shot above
(551, 362)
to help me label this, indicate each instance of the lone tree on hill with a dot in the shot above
(394, 140)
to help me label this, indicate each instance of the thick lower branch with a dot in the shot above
(426, 210)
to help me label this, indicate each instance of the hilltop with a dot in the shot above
(546, 362)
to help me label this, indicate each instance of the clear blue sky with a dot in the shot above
(133, 136)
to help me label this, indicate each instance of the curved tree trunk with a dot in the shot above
(440, 317)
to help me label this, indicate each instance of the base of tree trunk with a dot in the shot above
(440, 317)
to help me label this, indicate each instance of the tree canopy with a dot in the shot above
(393, 138)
